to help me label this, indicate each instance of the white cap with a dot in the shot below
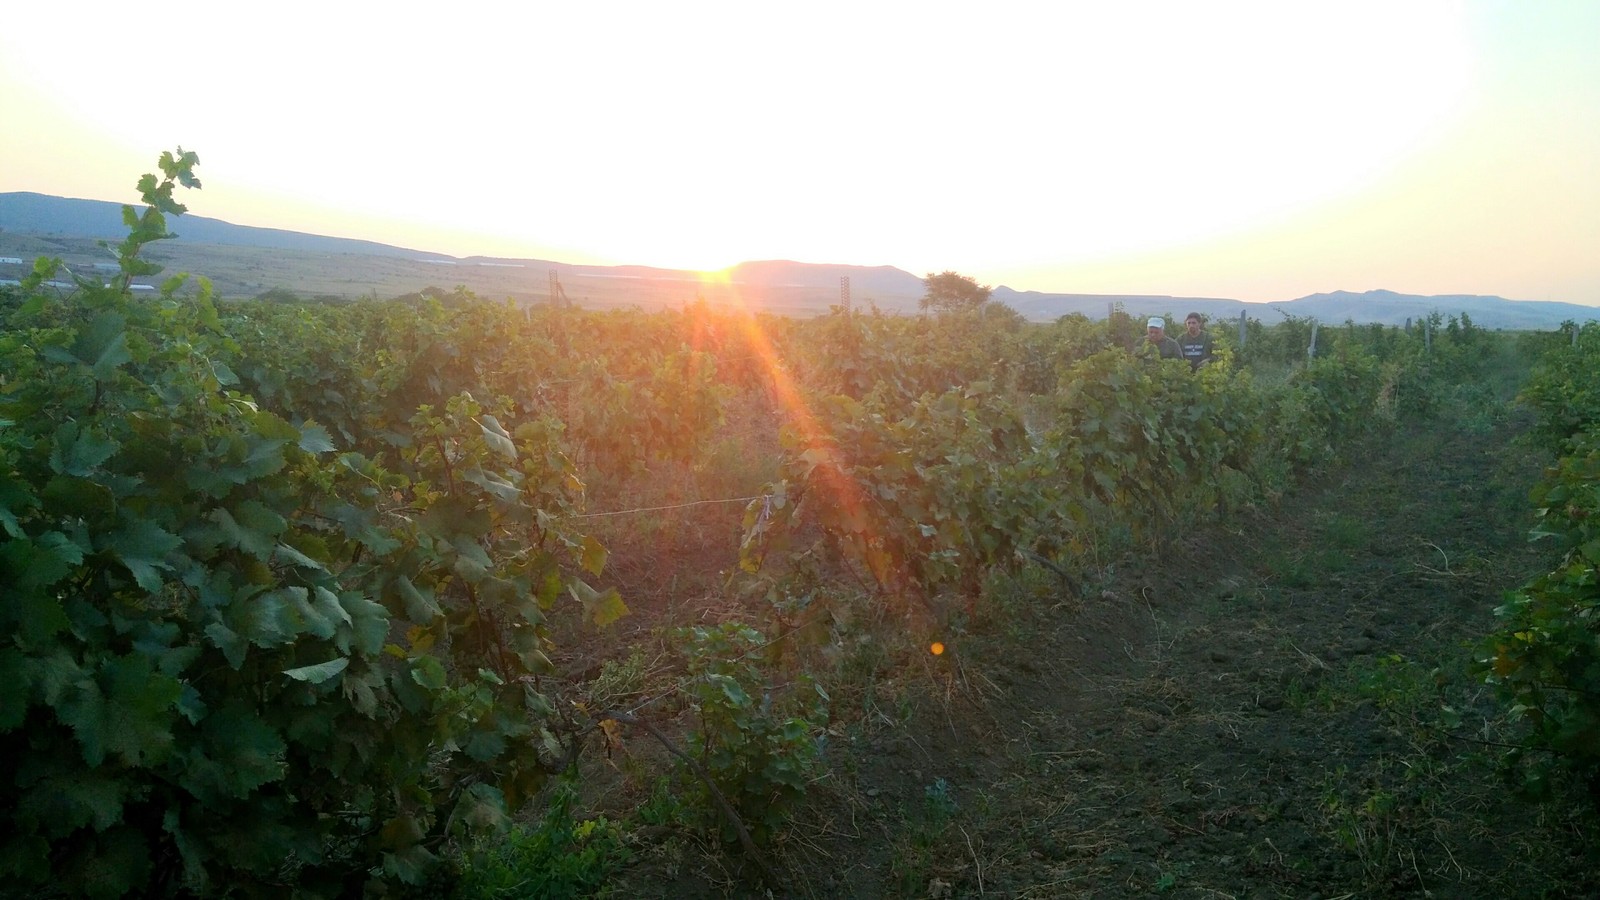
(1156, 322)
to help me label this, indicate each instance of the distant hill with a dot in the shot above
(43, 214)
(1391, 308)
(244, 261)
(1385, 307)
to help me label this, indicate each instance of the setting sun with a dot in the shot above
(1259, 151)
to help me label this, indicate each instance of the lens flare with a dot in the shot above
(847, 493)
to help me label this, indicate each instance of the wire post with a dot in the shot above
(558, 296)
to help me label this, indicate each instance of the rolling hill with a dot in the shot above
(245, 261)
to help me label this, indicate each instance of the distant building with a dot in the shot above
(14, 260)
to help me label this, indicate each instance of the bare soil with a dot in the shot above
(1255, 711)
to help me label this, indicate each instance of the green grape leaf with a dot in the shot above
(14, 499)
(320, 672)
(369, 622)
(55, 674)
(76, 451)
(248, 539)
(483, 808)
(142, 546)
(315, 439)
(270, 619)
(320, 612)
(243, 753)
(360, 694)
(495, 436)
(594, 555)
(420, 605)
(294, 557)
(79, 497)
(428, 672)
(127, 711)
(494, 484)
(103, 346)
(731, 689)
(410, 865)
(233, 646)
(601, 607)
(63, 803)
(472, 562)
(32, 565)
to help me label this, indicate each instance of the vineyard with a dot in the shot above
(439, 596)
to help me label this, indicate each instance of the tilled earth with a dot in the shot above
(1255, 711)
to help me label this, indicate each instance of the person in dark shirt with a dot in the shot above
(1195, 343)
(1157, 342)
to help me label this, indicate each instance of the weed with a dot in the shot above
(924, 830)
(663, 806)
(560, 857)
(618, 681)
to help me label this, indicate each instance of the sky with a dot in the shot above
(1248, 150)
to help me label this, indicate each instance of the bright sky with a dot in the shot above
(1252, 150)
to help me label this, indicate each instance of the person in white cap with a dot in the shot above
(1157, 341)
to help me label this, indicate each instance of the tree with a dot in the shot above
(952, 292)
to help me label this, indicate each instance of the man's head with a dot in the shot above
(1156, 329)
(1193, 323)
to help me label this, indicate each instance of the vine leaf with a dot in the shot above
(243, 753)
(315, 439)
(78, 452)
(601, 607)
(494, 434)
(319, 673)
(420, 606)
(594, 555)
(130, 715)
(142, 546)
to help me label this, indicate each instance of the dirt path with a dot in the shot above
(1253, 714)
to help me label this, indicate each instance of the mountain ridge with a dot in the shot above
(785, 286)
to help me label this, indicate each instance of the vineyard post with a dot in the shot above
(1311, 351)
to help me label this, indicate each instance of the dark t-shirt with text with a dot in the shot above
(1195, 349)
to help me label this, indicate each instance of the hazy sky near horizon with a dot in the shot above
(1250, 150)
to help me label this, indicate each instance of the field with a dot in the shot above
(445, 596)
